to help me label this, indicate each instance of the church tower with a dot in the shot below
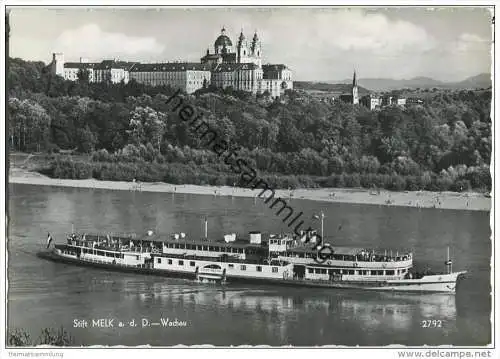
(355, 96)
(242, 50)
(57, 64)
(256, 50)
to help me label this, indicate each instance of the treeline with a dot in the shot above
(131, 132)
(48, 336)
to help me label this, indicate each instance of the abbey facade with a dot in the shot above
(237, 66)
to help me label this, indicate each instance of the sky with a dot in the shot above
(318, 44)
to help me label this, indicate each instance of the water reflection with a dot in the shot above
(369, 310)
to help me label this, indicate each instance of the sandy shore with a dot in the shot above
(421, 199)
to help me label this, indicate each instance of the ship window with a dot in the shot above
(181, 263)
(137, 257)
(205, 248)
(389, 272)
(192, 263)
(231, 266)
(323, 271)
(310, 270)
(240, 250)
(223, 249)
(259, 269)
(243, 267)
(330, 271)
(169, 261)
(275, 270)
(158, 260)
(351, 271)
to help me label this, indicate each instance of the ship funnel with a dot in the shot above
(255, 237)
(229, 237)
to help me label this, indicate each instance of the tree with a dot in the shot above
(48, 336)
(30, 121)
(83, 75)
(86, 140)
(147, 125)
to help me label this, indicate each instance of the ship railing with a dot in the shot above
(348, 264)
(116, 263)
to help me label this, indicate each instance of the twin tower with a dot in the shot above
(245, 51)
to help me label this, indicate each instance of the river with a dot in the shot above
(46, 294)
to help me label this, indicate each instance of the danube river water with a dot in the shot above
(46, 294)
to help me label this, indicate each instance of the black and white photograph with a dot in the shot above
(249, 176)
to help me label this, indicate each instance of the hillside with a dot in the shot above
(387, 84)
(334, 88)
(132, 131)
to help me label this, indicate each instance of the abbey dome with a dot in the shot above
(223, 40)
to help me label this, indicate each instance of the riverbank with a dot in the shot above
(421, 199)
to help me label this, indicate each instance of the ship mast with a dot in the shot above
(449, 262)
(321, 217)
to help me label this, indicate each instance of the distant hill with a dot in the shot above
(479, 81)
(386, 84)
(334, 88)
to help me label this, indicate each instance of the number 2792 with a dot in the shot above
(431, 323)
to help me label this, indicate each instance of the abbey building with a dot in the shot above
(238, 66)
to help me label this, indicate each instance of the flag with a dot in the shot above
(49, 240)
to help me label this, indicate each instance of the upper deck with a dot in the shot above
(240, 249)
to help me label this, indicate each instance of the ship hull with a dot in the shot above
(442, 283)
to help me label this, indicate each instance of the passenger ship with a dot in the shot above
(280, 259)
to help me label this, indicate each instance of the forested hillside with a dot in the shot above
(130, 131)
